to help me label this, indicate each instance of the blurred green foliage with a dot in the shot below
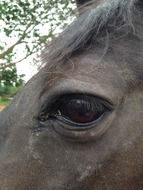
(10, 81)
(22, 21)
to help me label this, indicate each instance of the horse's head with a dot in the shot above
(78, 124)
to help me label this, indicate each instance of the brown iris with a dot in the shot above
(80, 108)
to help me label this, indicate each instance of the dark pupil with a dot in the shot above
(81, 111)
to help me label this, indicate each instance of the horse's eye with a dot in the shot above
(81, 109)
(77, 116)
(77, 109)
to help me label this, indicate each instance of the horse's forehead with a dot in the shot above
(93, 67)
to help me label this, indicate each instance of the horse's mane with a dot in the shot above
(100, 20)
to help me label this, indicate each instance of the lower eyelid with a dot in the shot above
(76, 133)
(70, 125)
(89, 133)
(73, 125)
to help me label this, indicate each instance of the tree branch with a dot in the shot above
(9, 50)
(4, 66)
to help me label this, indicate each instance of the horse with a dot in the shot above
(78, 123)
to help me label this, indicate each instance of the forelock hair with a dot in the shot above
(99, 20)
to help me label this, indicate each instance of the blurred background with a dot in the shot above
(25, 27)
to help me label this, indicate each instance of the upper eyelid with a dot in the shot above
(71, 86)
(55, 96)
